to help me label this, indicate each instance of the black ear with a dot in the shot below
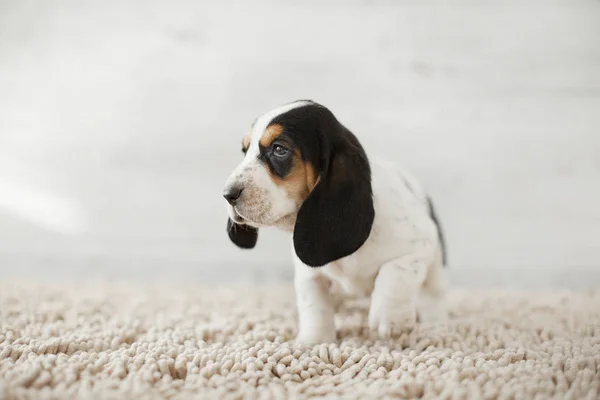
(243, 236)
(337, 216)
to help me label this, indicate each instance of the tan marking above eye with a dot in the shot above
(271, 133)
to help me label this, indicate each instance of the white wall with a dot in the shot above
(120, 122)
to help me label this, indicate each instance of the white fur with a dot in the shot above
(263, 202)
(399, 266)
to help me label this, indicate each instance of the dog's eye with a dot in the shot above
(280, 151)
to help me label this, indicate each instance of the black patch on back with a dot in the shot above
(336, 218)
(434, 217)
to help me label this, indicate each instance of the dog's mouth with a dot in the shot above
(238, 218)
(242, 220)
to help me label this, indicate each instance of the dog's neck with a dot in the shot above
(287, 223)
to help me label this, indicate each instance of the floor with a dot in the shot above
(175, 341)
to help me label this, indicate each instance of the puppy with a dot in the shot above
(357, 223)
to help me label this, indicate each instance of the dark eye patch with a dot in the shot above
(279, 166)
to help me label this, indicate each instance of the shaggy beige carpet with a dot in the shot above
(134, 342)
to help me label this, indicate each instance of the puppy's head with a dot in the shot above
(302, 171)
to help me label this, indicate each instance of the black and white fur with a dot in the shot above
(367, 227)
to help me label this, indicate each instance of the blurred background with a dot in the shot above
(120, 121)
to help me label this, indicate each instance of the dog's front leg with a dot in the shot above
(394, 299)
(315, 306)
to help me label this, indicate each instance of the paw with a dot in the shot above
(390, 320)
(316, 336)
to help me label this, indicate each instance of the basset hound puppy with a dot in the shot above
(358, 224)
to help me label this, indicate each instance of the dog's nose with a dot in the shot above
(232, 194)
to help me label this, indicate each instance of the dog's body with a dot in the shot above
(402, 255)
(360, 224)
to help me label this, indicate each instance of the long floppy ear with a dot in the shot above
(337, 216)
(243, 236)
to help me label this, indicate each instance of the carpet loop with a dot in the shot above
(122, 341)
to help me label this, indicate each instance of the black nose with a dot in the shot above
(232, 195)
